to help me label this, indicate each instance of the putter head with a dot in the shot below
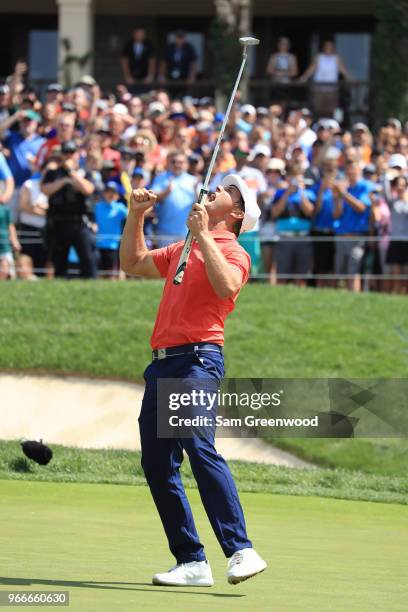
(248, 41)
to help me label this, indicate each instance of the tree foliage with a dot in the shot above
(391, 59)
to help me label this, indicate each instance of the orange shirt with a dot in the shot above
(192, 312)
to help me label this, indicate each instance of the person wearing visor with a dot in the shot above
(187, 343)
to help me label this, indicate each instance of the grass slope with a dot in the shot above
(123, 467)
(102, 329)
(103, 544)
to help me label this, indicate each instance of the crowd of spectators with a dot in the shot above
(334, 200)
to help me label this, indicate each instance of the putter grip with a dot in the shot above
(185, 253)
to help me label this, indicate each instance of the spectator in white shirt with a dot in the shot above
(325, 70)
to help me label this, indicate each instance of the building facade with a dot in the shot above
(34, 31)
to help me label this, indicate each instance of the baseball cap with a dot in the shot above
(203, 126)
(206, 101)
(398, 161)
(156, 107)
(178, 116)
(120, 109)
(126, 151)
(138, 172)
(369, 169)
(112, 186)
(87, 79)
(260, 149)
(262, 111)
(194, 158)
(219, 118)
(396, 123)
(248, 109)
(69, 146)
(360, 127)
(252, 210)
(54, 87)
(276, 164)
(32, 115)
(68, 107)
(328, 124)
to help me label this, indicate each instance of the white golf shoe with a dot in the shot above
(195, 573)
(244, 564)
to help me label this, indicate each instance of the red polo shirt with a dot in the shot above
(192, 312)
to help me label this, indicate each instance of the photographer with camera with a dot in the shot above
(68, 223)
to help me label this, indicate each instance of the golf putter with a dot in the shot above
(245, 41)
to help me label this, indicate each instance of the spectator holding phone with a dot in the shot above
(293, 208)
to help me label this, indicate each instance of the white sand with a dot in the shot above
(90, 413)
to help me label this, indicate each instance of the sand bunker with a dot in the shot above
(91, 413)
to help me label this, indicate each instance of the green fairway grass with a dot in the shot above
(103, 543)
(102, 329)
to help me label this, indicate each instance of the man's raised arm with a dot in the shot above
(135, 258)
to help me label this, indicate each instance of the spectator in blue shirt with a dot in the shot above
(352, 217)
(23, 145)
(176, 193)
(110, 217)
(323, 222)
(6, 181)
(293, 208)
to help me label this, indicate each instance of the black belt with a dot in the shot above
(185, 349)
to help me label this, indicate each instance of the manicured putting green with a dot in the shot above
(103, 543)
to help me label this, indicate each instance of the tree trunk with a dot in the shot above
(233, 20)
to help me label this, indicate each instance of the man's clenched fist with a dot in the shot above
(142, 200)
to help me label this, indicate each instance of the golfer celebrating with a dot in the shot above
(187, 342)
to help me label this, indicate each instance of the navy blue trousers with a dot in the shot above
(162, 458)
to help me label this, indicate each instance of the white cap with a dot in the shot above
(327, 124)
(260, 149)
(276, 164)
(252, 210)
(156, 107)
(359, 126)
(398, 161)
(248, 109)
(120, 109)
